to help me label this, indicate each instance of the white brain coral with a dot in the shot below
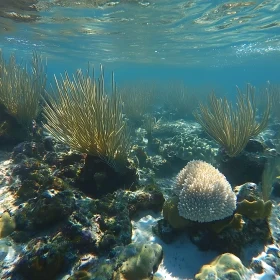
(204, 193)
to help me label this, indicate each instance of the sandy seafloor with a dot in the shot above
(182, 259)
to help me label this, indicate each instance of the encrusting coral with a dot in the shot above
(255, 209)
(225, 266)
(250, 202)
(7, 224)
(171, 214)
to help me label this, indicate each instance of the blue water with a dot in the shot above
(207, 44)
(214, 44)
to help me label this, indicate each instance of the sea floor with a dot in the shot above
(182, 259)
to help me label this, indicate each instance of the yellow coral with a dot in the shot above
(254, 209)
(7, 224)
(225, 266)
(171, 214)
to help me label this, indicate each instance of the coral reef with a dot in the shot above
(230, 234)
(187, 146)
(172, 145)
(75, 187)
(54, 217)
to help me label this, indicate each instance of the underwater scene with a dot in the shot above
(139, 139)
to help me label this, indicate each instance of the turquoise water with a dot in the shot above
(210, 43)
(206, 44)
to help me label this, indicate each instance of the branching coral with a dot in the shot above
(233, 127)
(84, 117)
(21, 88)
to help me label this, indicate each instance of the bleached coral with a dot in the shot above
(204, 193)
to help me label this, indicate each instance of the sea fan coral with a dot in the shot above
(204, 193)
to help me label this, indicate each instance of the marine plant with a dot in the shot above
(21, 88)
(80, 114)
(233, 126)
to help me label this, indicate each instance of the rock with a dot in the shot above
(97, 178)
(29, 149)
(254, 146)
(50, 207)
(49, 143)
(43, 259)
(164, 231)
(246, 167)
(149, 198)
(138, 261)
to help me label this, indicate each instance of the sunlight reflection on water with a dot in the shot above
(192, 32)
